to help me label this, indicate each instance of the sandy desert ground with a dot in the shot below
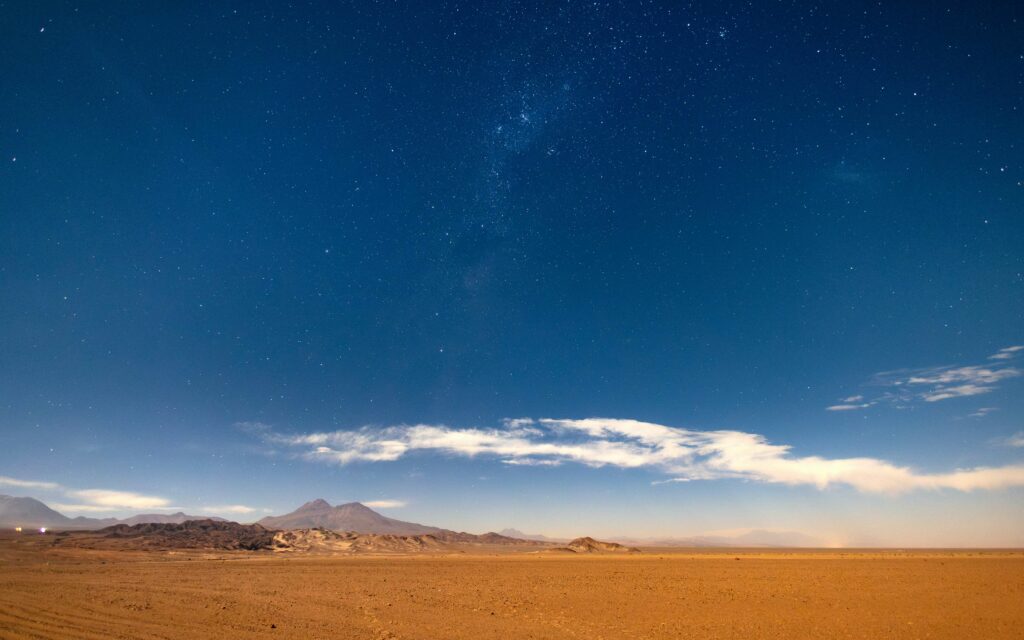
(75, 593)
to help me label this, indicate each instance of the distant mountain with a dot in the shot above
(444, 535)
(81, 522)
(764, 538)
(165, 518)
(31, 514)
(351, 516)
(751, 538)
(516, 533)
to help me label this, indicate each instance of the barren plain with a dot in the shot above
(52, 592)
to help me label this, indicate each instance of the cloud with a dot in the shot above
(117, 500)
(1006, 353)
(526, 462)
(982, 412)
(229, 508)
(253, 428)
(79, 508)
(959, 391)
(385, 504)
(682, 454)
(1016, 440)
(28, 484)
(933, 384)
(848, 407)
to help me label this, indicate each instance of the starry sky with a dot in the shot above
(641, 268)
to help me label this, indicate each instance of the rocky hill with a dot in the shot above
(230, 536)
(192, 534)
(326, 541)
(590, 545)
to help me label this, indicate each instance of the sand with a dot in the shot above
(74, 593)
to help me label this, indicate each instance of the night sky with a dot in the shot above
(256, 253)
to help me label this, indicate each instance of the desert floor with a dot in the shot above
(50, 593)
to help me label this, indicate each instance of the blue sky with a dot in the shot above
(251, 255)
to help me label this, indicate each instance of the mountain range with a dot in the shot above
(33, 514)
(749, 538)
(358, 518)
(516, 533)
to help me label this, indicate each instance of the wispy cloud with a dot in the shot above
(904, 387)
(532, 462)
(229, 508)
(981, 412)
(28, 484)
(848, 407)
(957, 391)
(64, 507)
(1006, 353)
(681, 454)
(850, 403)
(115, 500)
(1016, 440)
(385, 504)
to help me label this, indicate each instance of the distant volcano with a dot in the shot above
(351, 516)
(31, 513)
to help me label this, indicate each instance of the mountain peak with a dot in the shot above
(29, 512)
(355, 506)
(315, 505)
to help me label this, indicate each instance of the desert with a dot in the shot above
(347, 571)
(57, 591)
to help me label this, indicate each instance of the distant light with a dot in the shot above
(42, 529)
(17, 529)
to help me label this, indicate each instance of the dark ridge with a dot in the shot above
(192, 534)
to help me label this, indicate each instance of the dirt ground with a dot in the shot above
(53, 593)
